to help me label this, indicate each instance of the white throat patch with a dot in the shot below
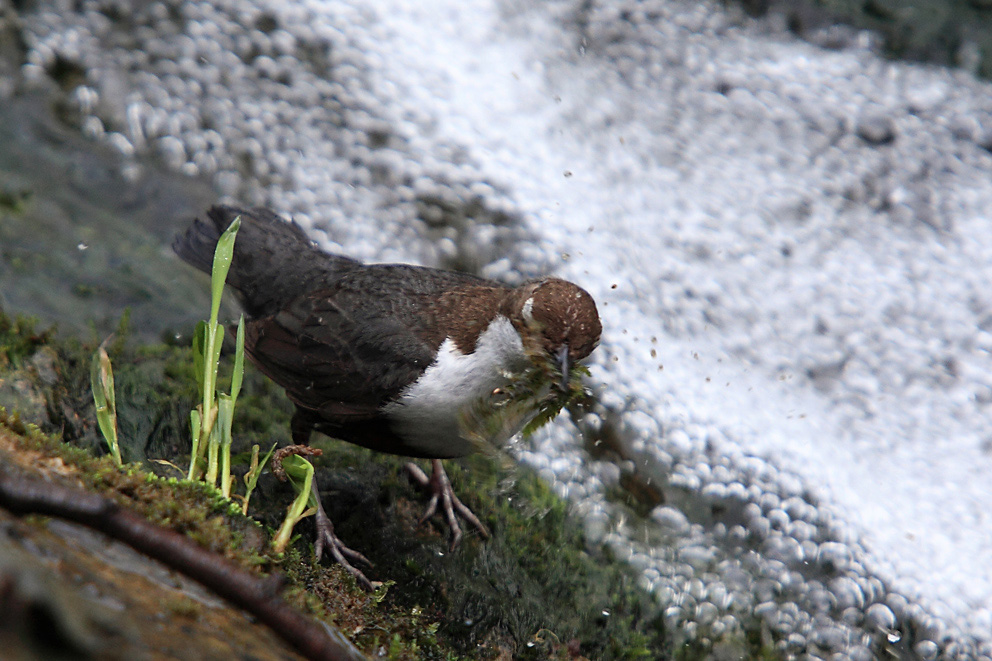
(428, 413)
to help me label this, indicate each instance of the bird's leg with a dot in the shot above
(301, 426)
(440, 488)
(340, 552)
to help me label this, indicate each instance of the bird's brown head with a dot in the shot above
(556, 318)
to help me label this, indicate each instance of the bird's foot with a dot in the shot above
(325, 529)
(441, 491)
(327, 539)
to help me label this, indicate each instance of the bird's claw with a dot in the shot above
(341, 553)
(441, 492)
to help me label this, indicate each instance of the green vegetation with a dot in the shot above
(255, 469)
(212, 419)
(299, 471)
(102, 384)
(211, 422)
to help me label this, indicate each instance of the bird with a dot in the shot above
(402, 359)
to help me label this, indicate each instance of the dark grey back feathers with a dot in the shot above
(274, 260)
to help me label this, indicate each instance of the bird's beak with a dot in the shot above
(562, 357)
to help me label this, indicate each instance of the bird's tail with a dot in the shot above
(274, 260)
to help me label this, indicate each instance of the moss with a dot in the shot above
(183, 607)
(19, 339)
(531, 585)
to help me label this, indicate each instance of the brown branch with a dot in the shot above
(260, 597)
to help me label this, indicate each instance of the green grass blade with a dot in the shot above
(254, 471)
(213, 454)
(214, 342)
(213, 339)
(104, 400)
(300, 474)
(225, 419)
(239, 360)
(195, 452)
(199, 352)
(223, 255)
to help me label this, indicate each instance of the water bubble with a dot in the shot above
(927, 650)
(707, 613)
(882, 617)
(671, 518)
(860, 654)
(834, 556)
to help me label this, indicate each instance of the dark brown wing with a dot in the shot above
(340, 361)
(346, 349)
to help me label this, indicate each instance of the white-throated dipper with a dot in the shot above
(393, 357)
